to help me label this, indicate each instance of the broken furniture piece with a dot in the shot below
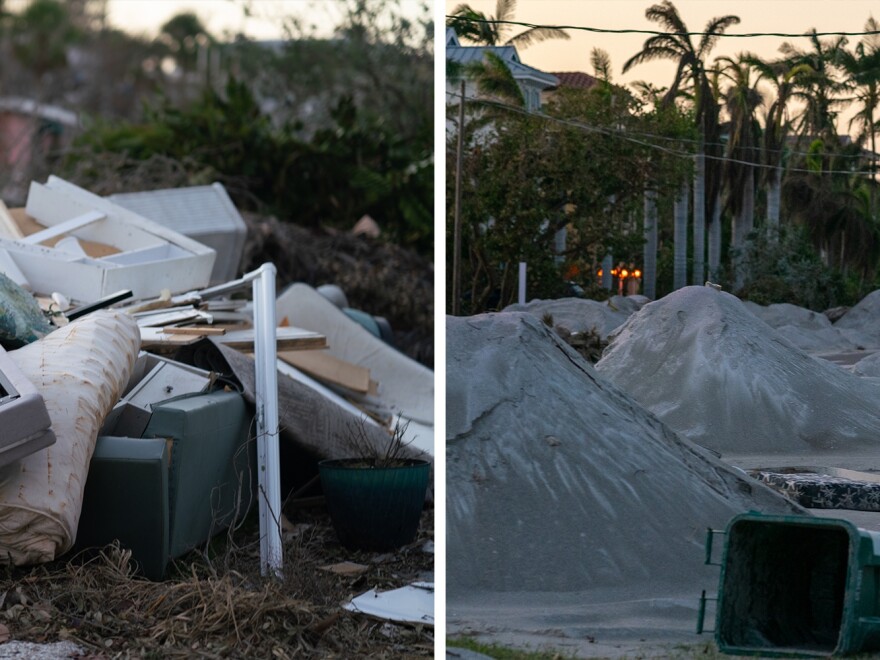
(189, 477)
(23, 416)
(89, 247)
(154, 379)
(204, 213)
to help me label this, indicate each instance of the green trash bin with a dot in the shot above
(798, 586)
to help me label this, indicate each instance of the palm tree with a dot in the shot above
(679, 237)
(741, 100)
(649, 258)
(478, 28)
(863, 67)
(676, 45)
(816, 85)
(780, 73)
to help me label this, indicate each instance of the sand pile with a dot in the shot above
(780, 315)
(717, 375)
(558, 481)
(808, 330)
(864, 318)
(579, 315)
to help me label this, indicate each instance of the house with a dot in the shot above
(532, 82)
(569, 80)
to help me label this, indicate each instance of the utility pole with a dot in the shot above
(456, 230)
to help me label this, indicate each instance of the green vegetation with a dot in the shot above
(503, 653)
(353, 167)
(747, 157)
(317, 131)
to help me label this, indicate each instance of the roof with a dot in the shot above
(575, 79)
(452, 37)
(510, 57)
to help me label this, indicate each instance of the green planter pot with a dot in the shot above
(374, 508)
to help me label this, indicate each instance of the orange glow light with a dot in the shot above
(624, 273)
(637, 273)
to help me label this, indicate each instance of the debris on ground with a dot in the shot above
(145, 362)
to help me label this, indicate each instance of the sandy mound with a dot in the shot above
(808, 330)
(784, 314)
(717, 375)
(557, 481)
(864, 318)
(580, 315)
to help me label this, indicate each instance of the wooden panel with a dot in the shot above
(289, 339)
(330, 369)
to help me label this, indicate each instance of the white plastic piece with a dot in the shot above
(411, 604)
(266, 385)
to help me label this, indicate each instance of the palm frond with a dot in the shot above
(667, 16)
(535, 35)
(495, 79)
(600, 60)
(713, 30)
(650, 54)
(505, 10)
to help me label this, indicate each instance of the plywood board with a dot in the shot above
(329, 369)
(288, 339)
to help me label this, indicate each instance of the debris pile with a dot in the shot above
(135, 370)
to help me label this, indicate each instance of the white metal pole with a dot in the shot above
(522, 283)
(266, 386)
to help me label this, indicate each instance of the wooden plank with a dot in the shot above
(329, 369)
(288, 339)
(200, 330)
(157, 338)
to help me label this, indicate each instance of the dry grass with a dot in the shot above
(217, 605)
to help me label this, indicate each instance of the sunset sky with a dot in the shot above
(220, 16)
(786, 16)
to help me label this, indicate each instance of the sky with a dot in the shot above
(221, 16)
(788, 16)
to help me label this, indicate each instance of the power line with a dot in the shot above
(584, 28)
(618, 134)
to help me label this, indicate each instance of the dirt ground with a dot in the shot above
(215, 604)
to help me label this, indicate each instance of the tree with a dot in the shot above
(676, 45)
(476, 27)
(863, 68)
(184, 34)
(41, 35)
(741, 100)
(816, 85)
(780, 73)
